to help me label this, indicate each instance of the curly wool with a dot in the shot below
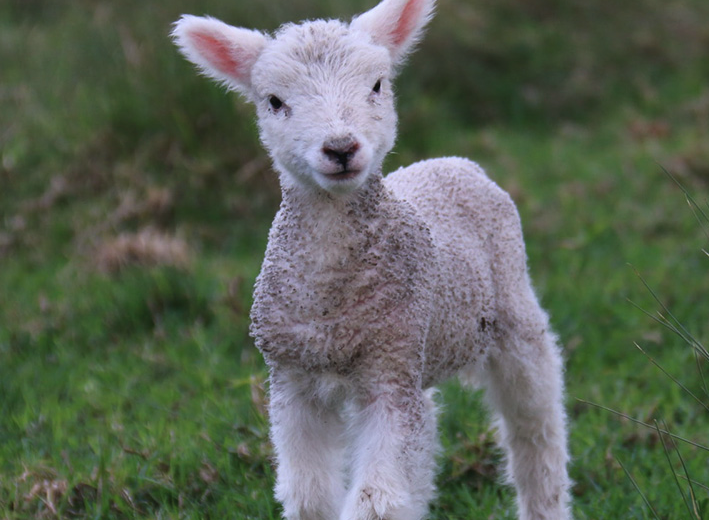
(405, 243)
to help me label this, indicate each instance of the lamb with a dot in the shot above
(375, 289)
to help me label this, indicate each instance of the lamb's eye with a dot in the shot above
(275, 103)
(377, 87)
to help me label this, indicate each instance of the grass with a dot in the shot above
(133, 390)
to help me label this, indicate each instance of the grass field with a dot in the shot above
(135, 202)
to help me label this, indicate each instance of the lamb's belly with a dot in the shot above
(447, 356)
(464, 324)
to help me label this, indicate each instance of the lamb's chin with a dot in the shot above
(342, 183)
(344, 175)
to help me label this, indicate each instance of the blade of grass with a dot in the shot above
(677, 326)
(701, 373)
(674, 379)
(659, 319)
(685, 334)
(637, 488)
(692, 494)
(696, 483)
(637, 421)
(672, 468)
(696, 208)
(662, 320)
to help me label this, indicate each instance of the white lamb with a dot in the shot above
(375, 289)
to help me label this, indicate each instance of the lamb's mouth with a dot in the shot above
(344, 175)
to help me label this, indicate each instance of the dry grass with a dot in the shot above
(145, 248)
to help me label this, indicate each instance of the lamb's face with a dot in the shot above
(322, 89)
(325, 105)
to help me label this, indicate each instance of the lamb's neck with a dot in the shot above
(320, 232)
(317, 209)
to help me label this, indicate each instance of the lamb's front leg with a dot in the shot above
(393, 458)
(308, 440)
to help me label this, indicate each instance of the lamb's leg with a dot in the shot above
(309, 444)
(525, 388)
(393, 458)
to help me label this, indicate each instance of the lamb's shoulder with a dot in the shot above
(344, 286)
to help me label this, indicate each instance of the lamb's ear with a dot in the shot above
(222, 52)
(396, 24)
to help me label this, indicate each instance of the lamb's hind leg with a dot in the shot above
(525, 389)
(308, 438)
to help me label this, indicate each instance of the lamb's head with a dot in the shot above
(322, 89)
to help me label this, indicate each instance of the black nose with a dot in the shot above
(341, 150)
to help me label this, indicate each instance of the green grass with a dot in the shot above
(135, 392)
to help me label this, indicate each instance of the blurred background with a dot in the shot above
(135, 200)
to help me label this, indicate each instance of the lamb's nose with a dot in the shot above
(341, 150)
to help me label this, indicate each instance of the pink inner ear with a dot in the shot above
(218, 52)
(407, 22)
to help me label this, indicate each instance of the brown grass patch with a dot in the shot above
(145, 248)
